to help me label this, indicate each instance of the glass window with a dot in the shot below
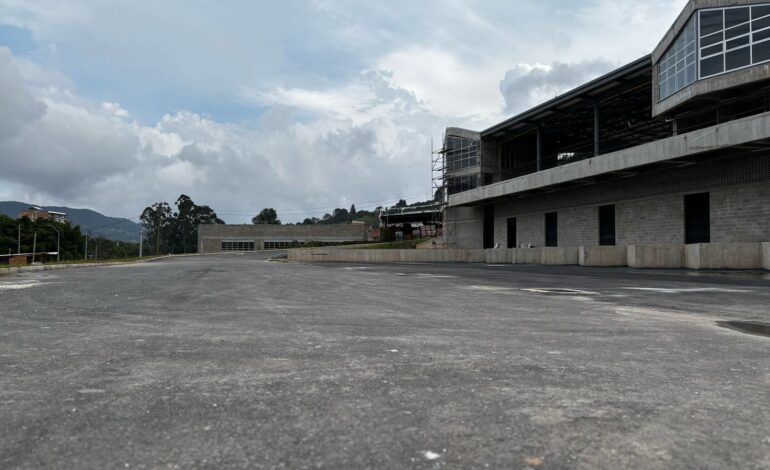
(759, 11)
(711, 50)
(712, 66)
(736, 16)
(730, 38)
(737, 42)
(711, 21)
(764, 34)
(761, 51)
(460, 153)
(673, 68)
(738, 58)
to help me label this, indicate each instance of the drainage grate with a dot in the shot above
(750, 327)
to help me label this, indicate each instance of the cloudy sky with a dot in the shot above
(301, 105)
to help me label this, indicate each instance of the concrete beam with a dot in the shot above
(692, 144)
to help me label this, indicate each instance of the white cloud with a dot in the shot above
(345, 95)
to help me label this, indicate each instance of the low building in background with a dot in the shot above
(34, 213)
(217, 238)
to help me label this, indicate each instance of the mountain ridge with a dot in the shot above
(113, 228)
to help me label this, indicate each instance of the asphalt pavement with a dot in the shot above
(235, 362)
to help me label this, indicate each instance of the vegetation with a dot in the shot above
(268, 216)
(41, 235)
(176, 232)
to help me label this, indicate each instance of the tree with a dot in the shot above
(310, 221)
(267, 216)
(183, 235)
(352, 211)
(156, 219)
(401, 203)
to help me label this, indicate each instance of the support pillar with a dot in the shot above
(597, 139)
(539, 149)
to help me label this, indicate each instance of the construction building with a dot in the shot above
(672, 149)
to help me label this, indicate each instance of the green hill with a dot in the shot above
(100, 225)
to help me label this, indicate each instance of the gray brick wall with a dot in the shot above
(530, 228)
(579, 226)
(740, 214)
(654, 220)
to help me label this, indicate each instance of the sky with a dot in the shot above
(299, 105)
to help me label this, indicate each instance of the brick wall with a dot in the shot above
(653, 220)
(740, 214)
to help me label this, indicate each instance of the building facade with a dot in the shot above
(217, 238)
(671, 149)
(33, 213)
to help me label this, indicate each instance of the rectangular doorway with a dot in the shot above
(511, 232)
(697, 218)
(489, 226)
(607, 225)
(551, 229)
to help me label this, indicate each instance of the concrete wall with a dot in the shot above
(703, 256)
(210, 237)
(336, 255)
(603, 256)
(724, 256)
(464, 227)
(656, 256)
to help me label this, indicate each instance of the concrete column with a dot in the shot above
(675, 127)
(597, 140)
(539, 149)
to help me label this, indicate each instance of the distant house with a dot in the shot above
(33, 213)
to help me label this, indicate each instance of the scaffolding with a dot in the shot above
(440, 189)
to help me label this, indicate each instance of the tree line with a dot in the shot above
(23, 236)
(167, 231)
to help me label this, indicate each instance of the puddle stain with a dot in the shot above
(749, 327)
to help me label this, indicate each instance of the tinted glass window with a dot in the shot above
(736, 16)
(738, 58)
(710, 22)
(711, 66)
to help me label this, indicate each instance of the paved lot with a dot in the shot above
(230, 361)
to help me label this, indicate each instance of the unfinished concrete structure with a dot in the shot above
(217, 238)
(672, 150)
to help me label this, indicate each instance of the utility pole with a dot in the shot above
(18, 246)
(58, 243)
(96, 249)
(34, 247)
(85, 252)
(141, 239)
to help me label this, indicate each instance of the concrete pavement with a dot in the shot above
(233, 362)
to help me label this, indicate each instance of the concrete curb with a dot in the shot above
(52, 267)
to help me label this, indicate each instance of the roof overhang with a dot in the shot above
(584, 93)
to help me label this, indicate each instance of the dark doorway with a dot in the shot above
(511, 231)
(607, 225)
(489, 226)
(551, 226)
(697, 218)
